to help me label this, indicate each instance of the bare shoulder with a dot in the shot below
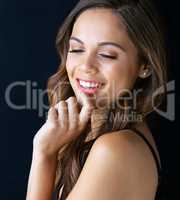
(127, 146)
(115, 144)
(117, 167)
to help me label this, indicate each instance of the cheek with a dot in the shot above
(123, 75)
(69, 65)
(72, 62)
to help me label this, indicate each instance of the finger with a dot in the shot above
(86, 110)
(52, 114)
(86, 100)
(73, 111)
(63, 114)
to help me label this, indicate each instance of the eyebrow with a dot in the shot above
(101, 43)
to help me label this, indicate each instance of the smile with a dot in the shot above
(89, 87)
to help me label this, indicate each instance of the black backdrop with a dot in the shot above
(28, 55)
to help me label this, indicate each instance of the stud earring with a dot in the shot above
(146, 72)
(144, 75)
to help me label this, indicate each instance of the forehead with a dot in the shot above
(99, 24)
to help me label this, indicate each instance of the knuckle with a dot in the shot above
(72, 102)
(52, 127)
(72, 99)
(62, 104)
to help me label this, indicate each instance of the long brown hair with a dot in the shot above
(143, 27)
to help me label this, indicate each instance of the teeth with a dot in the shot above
(88, 84)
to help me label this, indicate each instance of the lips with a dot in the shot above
(90, 81)
(88, 86)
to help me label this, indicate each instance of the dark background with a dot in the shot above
(27, 52)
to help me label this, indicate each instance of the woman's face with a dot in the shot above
(102, 61)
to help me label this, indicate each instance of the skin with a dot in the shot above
(118, 165)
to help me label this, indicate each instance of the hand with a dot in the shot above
(64, 123)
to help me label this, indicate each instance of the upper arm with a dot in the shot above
(115, 168)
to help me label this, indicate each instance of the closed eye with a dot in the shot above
(108, 56)
(76, 51)
(103, 55)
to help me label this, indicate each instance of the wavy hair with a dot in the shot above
(144, 28)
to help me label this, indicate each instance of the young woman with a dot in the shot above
(95, 143)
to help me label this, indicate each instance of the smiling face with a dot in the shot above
(102, 55)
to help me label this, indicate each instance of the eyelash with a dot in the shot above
(80, 51)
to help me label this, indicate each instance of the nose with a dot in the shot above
(89, 64)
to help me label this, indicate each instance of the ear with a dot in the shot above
(145, 71)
